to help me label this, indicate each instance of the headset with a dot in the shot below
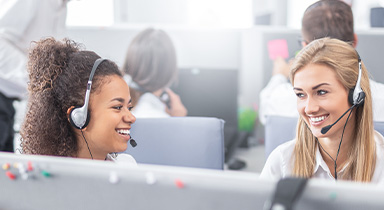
(79, 116)
(356, 98)
(357, 95)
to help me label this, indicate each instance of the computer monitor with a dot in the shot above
(370, 46)
(377, 17)
(211, 93)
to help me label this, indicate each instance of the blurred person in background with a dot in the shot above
(326, 18)
(22, 22)
(151, 68)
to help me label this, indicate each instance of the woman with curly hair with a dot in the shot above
(58, 74)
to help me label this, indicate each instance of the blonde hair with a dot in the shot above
(343, 59)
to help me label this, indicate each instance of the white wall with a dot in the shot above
(205, 48)
(241, 49)
(195, 47)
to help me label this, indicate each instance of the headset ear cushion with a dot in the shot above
(87, 120)
(360, 100)
(350, 96)
(69, 113)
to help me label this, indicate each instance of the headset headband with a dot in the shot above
(79, 116)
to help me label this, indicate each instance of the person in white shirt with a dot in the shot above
(78, 105)
(151, 68)
(22, 22)
(326, 80)
(326, 18)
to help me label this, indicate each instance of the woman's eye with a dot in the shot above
(299, 95)
(130, 108)
(321, 92)
(118, 107)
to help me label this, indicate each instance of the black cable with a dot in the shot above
(338, 150)
(86, 143)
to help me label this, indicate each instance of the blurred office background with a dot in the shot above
(203, 13)
(227, 36)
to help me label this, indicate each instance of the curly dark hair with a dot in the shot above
(58, 74)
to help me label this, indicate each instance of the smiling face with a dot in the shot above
(110, 122)
(321, 100)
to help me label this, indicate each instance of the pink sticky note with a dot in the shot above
(278, 48)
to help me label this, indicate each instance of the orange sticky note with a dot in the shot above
(278, 48)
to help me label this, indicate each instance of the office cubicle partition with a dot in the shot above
(41, 182)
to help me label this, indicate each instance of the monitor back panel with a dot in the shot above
(70, 183)
(211, 93)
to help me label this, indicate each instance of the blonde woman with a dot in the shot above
(324, 75)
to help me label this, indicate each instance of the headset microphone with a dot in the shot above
(132, 142)
(325, 129)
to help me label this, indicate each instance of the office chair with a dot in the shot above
(179, 141)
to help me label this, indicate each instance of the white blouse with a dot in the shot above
(123, 158)
(150, 106)
(280, 162)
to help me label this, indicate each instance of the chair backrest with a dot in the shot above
(379, 127)
(179, 141)
(280, 129)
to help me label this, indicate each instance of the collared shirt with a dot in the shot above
(123, 158)
(149, 106)
(278, 98)
(280, 162)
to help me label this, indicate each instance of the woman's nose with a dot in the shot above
(311, 106)
(129, 117)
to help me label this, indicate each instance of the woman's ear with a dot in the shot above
(354, 43)
(303, 44)
(69, 110)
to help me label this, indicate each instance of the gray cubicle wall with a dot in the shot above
(292, 38)
(370, 46)
(42, 182)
